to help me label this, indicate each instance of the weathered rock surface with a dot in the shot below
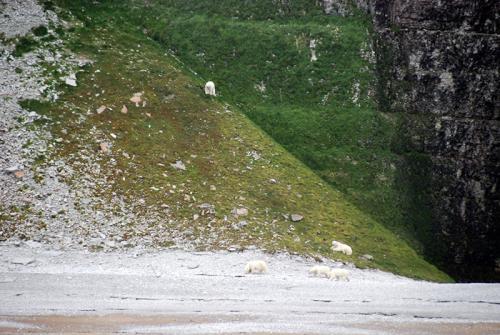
(438, 65)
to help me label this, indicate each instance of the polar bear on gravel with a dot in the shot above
(337, 274)
(341, 247)
(257, 266)
(320, 271)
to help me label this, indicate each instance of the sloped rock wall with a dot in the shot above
(438, 65)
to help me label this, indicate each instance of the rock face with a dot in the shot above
(438, 66)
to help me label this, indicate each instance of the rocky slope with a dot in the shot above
(438, 66)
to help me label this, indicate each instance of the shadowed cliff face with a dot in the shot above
(438, 65)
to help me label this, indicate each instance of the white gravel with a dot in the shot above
(174, 282)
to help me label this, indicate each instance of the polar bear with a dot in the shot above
(337, 246)
(256, 266)
(210, 88)
(320, 271)
(336, 274)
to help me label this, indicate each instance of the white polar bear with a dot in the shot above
(320, 271)
(336, 274)
(210, 88)
(256, 267)
(337, 246)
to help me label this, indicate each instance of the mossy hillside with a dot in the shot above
(219, 146)
(259, 57)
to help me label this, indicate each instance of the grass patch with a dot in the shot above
(323, 112)
(40, 31)
(24, 44)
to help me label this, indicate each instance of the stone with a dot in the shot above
(124, 109)
(296, 217)
(207, 208)
(101, 109)
(13, 168)
(337, 7)
(240, 211)
(104, 147)
(367, 257)
(242, 224)
(22, 260)
(110, 244)
(136, 98)
(19, 174)
(70, 80)
(178, 165)
(312, 47)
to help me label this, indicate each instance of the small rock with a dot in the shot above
(104, 147)
(23, 260)
(233, 248)
(70, 80)
(19, 174)
(196, 217)
(254, 154)
(296, 217)
(367, 257)
(240, 211)
(101, 109)
(178, 165)
(136, 99)
(213, 188)
(242, 224)
(207, 209)
(13, 168)
(124, 109)
(272, 181)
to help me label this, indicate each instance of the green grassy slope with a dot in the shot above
(229, 161)
(308, 107)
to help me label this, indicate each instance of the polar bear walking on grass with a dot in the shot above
(341, 247)
(256, 266)
(210, 88)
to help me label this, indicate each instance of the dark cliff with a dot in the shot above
(438, 66)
